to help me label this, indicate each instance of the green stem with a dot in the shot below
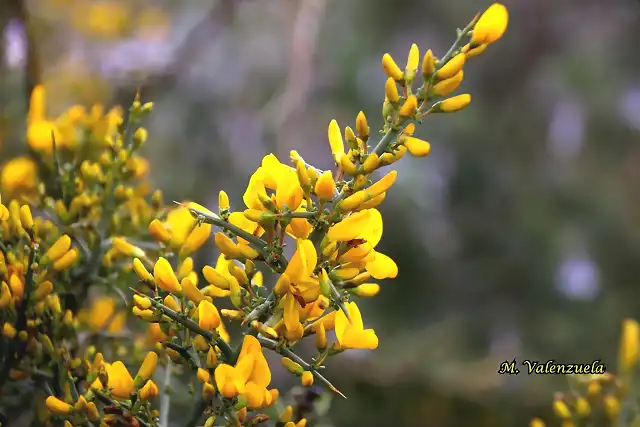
(273, 345)
(301, 214)
(227, 351)
(165, 401)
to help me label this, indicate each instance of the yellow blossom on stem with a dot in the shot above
(452, 67)
(417, 147)
(148, 391)
(391, 68)
(454, 104)
(325, 186)
(391, 90)
(629, 352)
(120, 380)
(208, 316)
(147, 368)
(491, 25)
(159, 231)
(57, 250)
(58, 406)
(165, 276)
(445, 87)
(352, 334)
(66, 260)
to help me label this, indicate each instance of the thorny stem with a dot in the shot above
(227, 351)
(273, 345)
(259, 244)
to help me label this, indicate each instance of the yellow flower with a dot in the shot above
(391, 90)
(365, 226)
(147, 368)
(325, 186)
(196, 239)
(19, 174)
(352, 334)
(452, 67)
(249, 377)
(57, 250)
(179, 223)
(454, 104)
(417, 147)
(66, 260)
(335, 141)
(208, 316)
(445, 87)
(57, 406)
(300, 270)
(148, 391)
(491, 25)
(292, 308)
(120, 380)
(165, 276)
(391, 68)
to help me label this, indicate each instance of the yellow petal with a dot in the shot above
(382, 267)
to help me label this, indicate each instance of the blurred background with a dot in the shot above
(518, 237)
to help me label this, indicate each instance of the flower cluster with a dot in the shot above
(604, 399)
(98, 226)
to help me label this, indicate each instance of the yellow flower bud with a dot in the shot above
(196, 239)
(491, 25)
(8, 330)
(445, 87)
(223, 201)
(147, 368)
(191, 291)
(473, 52)
(26, 218)
(362, 127)
(125, 248)
(227, 246)
(57, 406)
(203, 375)
(81, 404)
(428, 64)
(159, 232)
(92, 412)
(417, 147)
(141, 271)
(57, 250)
(142, 302)
(208, 316)
(367, 290)
(286, 415)
(413, 59)
(212, 358)
(67, 260)
(325, 186)
(391, 68)
(171, 303)
(536, 422)
(410, 107)
(347, 165)
(382, 185)
(292, 366)
(43, 289)
(452, 67)
(371, 163)
(214, 277)
(165, 276)
(352, 202)
(306, 378)
(148, 391)
(454, 104)
(391, 90)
